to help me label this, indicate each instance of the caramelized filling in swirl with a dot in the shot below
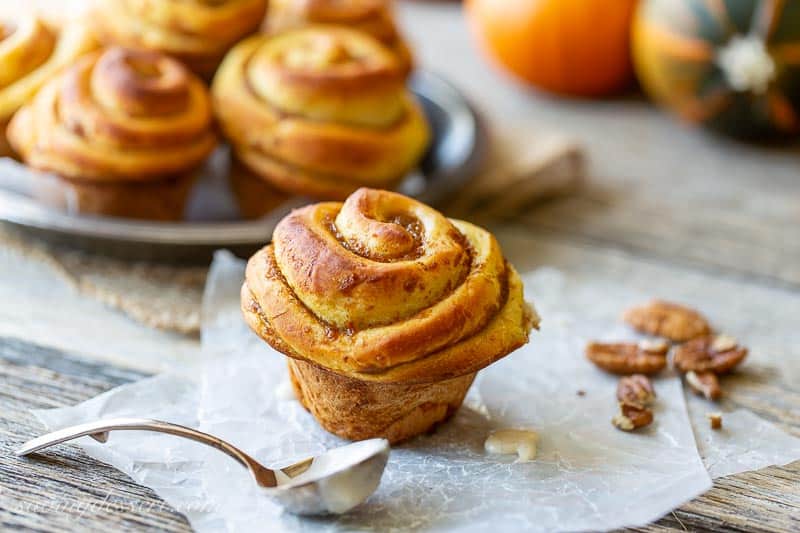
(319, 111)
(117, 115)
(385, 288)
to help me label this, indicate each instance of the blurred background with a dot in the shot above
(656, 183)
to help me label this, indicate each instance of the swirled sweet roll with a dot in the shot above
(31, 52)
(319, 111)
(386, 309)
(198, 32)
(374, 17)
(124, 132)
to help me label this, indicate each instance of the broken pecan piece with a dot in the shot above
(626, 358)
(718, 354)
(636, 390)
(705, 383)
(715, 419)
(632, 417)
(666, 319)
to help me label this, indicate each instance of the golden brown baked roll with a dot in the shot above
(319, 111)
(31, 52)
(387, 310)
(123, 130)
(198, 32)
(374, 17)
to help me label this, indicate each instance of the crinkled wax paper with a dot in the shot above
(588, 475)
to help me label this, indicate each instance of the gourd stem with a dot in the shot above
(747, 65)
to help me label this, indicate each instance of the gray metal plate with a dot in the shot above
(454, 157)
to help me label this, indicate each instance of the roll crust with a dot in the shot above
(197, 32)
(374, 17)
(114, 119)
(31, 53)
(384, 289)
(319, 111)
(394, 411)
(384, 299)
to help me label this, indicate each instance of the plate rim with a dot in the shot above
(28, 214)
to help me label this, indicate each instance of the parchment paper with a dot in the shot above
(588, 475)
(745, 442)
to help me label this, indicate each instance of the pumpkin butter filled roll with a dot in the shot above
(318, 111)
(198, 32)
(123, 132)
(374, 17)
(386, 310)
(32, 52)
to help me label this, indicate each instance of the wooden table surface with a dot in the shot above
(690, 211)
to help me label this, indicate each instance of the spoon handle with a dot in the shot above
(99, 430)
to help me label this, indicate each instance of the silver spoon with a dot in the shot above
(333, 482)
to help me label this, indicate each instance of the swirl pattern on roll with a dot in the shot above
(384, 288)
(198, 32)
(31, 53)
(117, 115)
(319, 111)
(374, 17)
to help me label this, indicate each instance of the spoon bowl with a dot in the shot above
(331, 483)
(335, 481)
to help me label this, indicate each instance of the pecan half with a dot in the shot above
(636, 390)
(704, 383)
(666, 319)
(625, 358)
(632, 417)
(717, 354)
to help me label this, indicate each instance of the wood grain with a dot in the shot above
(729, 242)
(64, 489)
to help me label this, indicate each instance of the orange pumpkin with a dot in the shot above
(574, 47)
